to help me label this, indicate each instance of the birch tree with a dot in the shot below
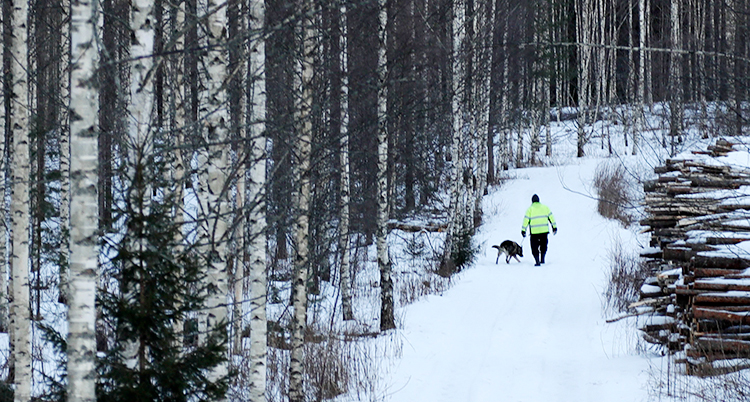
(65, 89)
(675, 77)
(4, 192)
(214, 177)
(20, 324)
(457, 116)
(302, 150)
(257, 214)
(583, 31)
(640, 118)
(344, 237)
(387, 320)
(84, 203)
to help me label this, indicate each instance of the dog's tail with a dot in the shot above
(496, 246)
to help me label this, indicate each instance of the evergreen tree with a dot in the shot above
(158, 284)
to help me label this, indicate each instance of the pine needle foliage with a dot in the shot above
(159, 282)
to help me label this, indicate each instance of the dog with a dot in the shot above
(511, 249)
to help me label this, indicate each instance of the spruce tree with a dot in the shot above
(158, 283)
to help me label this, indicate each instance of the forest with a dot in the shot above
(185, 181)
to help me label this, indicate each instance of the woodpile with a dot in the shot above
(699, 295)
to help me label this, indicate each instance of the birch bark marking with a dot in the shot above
(20, 171)
(84, 214)
(675, 75)
(4, 189)
(387, 320)
(215, 180)
(140, 108)
(640, 118)
(139, 114)
(583, 25)
(345, 285)
(302, 150)
(257, 217)
(458, 71)
(64, 273)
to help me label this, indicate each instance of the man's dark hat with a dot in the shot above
(534, 198)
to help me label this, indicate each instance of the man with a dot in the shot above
(538, 217)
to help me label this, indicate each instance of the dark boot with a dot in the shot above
(542, 260)
(536, 258)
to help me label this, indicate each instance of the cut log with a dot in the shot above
(734, 297)
(721, 315)
(702, 261)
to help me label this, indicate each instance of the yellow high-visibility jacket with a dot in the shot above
(537, 217)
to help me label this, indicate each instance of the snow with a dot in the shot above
(515, 332)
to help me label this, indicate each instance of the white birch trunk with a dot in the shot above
(583, 21)
(507, 147)
(257, 215)
(4, 225)
(344, 277)
(214, 111)
(140, 113)
(64, 273)
(84, 205)
(140, 108)
(458, 70)
(20, 202)
(387, 320)
(675, 74)
(302, 150)
(640, 118)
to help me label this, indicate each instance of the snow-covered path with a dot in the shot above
(523, 333)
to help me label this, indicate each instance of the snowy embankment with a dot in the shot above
(522, 333)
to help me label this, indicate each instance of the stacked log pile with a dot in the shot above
(699, 295)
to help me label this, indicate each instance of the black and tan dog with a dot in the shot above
(511, 249)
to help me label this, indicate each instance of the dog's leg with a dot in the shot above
(507, 259)
(517, 259)
(498, 256)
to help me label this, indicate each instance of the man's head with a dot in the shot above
(534, 198)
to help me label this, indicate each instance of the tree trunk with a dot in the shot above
(344, 237)
(20, 202)
(387, 320)
(457, 117)
(640, 117)
(583, 30)
(4, 187)
(238, 64)
(257, 213)
(215, 176)
(675, 77)
(64, 274)
(302, 150)
(84, 204)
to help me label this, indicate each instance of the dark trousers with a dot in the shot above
(539, 246)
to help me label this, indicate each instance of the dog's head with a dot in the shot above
(520, 251)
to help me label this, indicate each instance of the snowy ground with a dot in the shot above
(522, 333)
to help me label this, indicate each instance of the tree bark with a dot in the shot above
(457, 117)
(215, 176)
(84, 212)
(387, 320)
(302, 149)
(20, 202)
(257, 214)
(344, 237)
